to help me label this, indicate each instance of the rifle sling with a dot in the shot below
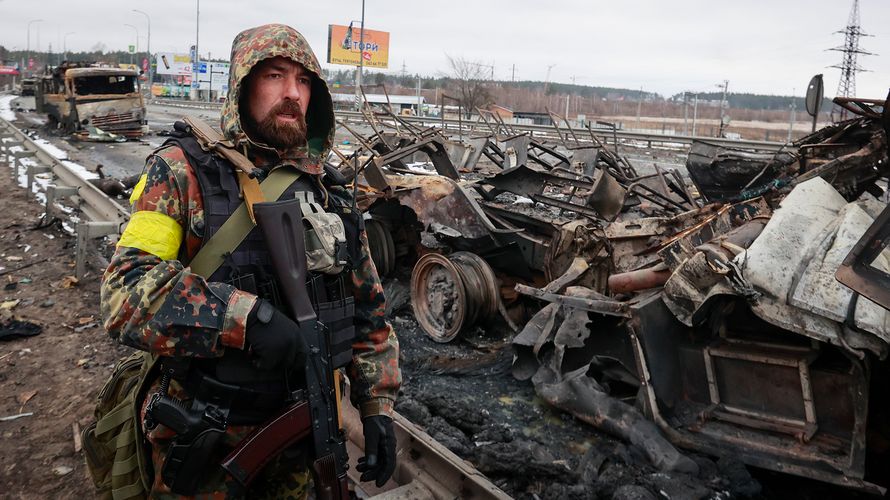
(239, 224)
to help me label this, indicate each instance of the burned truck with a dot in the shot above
(703, 315)
(80, 100)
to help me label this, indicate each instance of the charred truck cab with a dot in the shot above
(77, 99)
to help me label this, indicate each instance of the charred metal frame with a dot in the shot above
(856, 270)
(747, 437)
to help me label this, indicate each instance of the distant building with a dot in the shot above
(9, 77)
(505, 114)
(536, 118)
(399, 103)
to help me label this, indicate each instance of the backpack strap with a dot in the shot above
(239, 224)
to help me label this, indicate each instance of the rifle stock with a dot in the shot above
(281, 223)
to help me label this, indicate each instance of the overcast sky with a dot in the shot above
(665, 46)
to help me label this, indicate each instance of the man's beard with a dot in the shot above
(280, 134)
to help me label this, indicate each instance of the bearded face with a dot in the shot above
(274, 103)
(283, 133)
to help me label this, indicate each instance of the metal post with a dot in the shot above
(694, 113)
(148, 50)
(18, 156)
(723, 100)
(419, 98)
(26, 64)
(65, 45)
(53, 192)
(685, 114)
(4, 148)
(197, 60)
(86, 232)
(32, 171)
(361, 60)
(791, 116)
(137, 41)
(639, 107)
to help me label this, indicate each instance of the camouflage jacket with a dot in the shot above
(152, 301)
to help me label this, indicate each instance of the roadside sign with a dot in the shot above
(815, 92)
(132, 49)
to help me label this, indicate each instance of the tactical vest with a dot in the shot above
(248, 267)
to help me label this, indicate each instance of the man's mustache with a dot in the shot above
(288, 108)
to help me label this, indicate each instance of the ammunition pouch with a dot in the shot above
(325, 236)
(337, 318)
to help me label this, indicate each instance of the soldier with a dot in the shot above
(279, 114)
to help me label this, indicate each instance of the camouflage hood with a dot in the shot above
(256, 44)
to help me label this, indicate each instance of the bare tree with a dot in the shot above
(470, 79)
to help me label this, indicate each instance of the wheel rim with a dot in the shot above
(482, 288)
(438, 297)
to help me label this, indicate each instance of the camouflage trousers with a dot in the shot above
(285, 477)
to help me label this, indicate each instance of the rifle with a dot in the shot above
(281, 223)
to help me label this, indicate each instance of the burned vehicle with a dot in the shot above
(698, 313)
(27, 87)
(80, 100)
(735, 338)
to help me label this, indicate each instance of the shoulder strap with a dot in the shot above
(212, 140)
(235, 229)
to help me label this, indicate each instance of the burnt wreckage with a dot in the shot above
(702, 315)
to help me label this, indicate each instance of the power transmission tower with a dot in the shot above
(846, 87)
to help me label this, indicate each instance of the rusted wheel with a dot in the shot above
(383, 250)
(451, 293)
(481, 286)
(438, 297)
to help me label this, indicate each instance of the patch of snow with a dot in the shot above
(49, 148)
(420, 167)
(5, 109)
(80, 170)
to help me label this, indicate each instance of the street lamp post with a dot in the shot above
(137, 40)
(28, 50)
(65, 45)
(148, 50)
(196, 87)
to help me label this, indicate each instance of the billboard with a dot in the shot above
(343, 46)
(169, 63)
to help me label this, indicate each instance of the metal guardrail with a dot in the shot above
(104, 215)
(604, 135)
(543, 131)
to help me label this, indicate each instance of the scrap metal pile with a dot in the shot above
(703, 315)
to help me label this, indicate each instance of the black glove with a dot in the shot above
(274, 338)
(379, 461)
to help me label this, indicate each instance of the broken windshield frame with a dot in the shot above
(105, 84)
